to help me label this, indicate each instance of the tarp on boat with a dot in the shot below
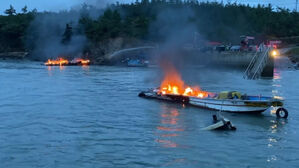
(229, 95)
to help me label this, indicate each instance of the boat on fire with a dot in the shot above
(64, 62)
(233, 102)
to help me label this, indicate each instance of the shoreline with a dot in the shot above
(293, 55)
(294, 58)
(14, 55)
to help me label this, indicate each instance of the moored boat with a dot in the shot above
(226, 101)
(137, 63)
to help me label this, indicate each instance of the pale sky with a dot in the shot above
(51, 5)
(56, 5)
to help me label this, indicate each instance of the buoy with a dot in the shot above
(282, 113)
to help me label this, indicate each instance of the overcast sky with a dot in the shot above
(56, 5)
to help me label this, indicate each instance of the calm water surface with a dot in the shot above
(92, 117)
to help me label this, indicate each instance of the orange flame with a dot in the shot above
(173, 84)
(82, 61)
(59, 61)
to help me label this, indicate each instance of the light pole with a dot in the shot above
(296, 5)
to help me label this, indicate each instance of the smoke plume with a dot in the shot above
(45, 34)
(181, 38)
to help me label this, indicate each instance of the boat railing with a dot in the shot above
(257, 64)
(261, 64)
(250, 66)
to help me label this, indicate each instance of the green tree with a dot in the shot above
(24, 10)
(142, 21)
(11, 11)
(34, 10)
(67, 35)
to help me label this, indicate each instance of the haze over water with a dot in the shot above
(92, 117)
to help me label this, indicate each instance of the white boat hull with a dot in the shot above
(234, 106)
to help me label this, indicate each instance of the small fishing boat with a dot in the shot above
(225, 101)
(137, 63)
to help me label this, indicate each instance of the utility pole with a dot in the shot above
(296, 5)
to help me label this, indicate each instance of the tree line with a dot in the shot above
(213, 21)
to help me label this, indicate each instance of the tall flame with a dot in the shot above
(173, 84)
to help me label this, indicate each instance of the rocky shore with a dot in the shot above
(293, 55)
(97, 53)
(13, 55)
(294, 58)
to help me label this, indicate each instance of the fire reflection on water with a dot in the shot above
(61, 68)
(49, 70)
(169, 128)
(85, 67)
(55, 69)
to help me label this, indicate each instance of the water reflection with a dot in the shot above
(273, 138)
(85, 67)
(276, 80)
(169, 127)
(50, 68)
(61, 68)
(275, 124)
(271, 158)
(276, 74)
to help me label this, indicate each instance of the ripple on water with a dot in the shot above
(87, 117)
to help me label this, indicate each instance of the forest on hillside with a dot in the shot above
(154, 21)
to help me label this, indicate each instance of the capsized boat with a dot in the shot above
(220, 123)
(233, 102)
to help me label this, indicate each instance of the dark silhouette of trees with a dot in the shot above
(67, 35)
(212, 20)
(24, 9)
(11, 11)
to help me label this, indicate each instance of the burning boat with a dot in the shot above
(173, 89)
(64, 62)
